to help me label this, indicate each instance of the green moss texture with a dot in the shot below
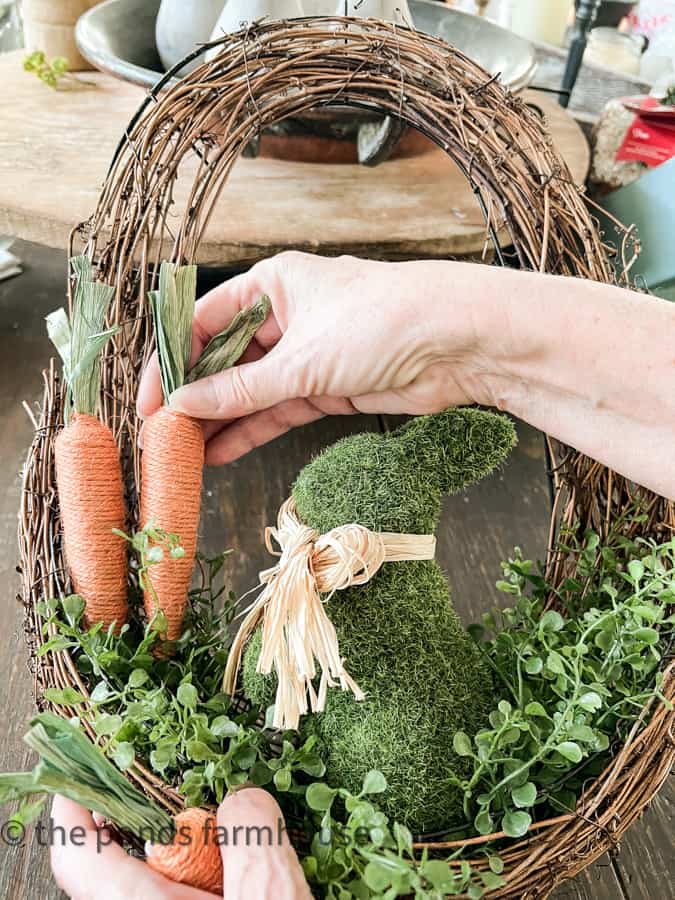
(399, 634)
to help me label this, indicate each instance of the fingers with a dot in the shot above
(252, 431)
(87, 863)
(214, 312)
(80, 853)
(239, 391)
(150, 396)
(258, 859)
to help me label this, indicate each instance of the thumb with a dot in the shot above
(237, 392)
(258, 859)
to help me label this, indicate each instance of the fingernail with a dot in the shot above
(194, 400)
(175, 400)
(148, 848)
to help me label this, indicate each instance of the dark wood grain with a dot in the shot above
(479, 528)
(24, 349)
(644, 863)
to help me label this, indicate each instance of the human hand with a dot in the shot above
(87, 863)
(345, 335)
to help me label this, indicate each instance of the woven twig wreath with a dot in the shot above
(259, 77)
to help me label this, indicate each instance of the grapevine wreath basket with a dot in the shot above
(257, 78)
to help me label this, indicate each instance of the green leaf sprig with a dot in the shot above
(356, 852)
(49, 72)
(573, 680)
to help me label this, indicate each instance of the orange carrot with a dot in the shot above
(171, 472)
(193, 857)
(88, 471)
(91, 497)
(70, 765)
(173, 443)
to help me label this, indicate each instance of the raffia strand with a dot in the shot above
(298, 638)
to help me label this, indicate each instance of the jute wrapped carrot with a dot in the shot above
(193, 856)
(173, 443)
(88, 472)
(184, 848)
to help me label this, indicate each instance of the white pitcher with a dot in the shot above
(239, 13)
(389, 10)
(181, 26)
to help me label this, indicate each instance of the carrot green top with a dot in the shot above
(80, 340)
(72, 766)
(173, 307)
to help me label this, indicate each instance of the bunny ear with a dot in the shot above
(459, 446)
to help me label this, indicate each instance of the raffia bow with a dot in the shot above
(296, 632)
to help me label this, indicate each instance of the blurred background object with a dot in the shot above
(656, 21)
(181, 25)
(613, 12)
(615, 50)
(11, 36)
(537, 21)
(122, 37)
(649, 204)
(49, 26)
(608, 135)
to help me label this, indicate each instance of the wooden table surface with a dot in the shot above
(478, 530)
(55, 148)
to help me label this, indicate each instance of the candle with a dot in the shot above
(541, 21)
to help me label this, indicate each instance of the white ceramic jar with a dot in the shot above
(614, 50)
(181, 26)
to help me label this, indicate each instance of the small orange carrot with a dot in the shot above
(88, 471)
(184, 847)
(171, 472)
(91, 498)
(173, 443)
(193, 857)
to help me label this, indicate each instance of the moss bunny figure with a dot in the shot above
(401, 639)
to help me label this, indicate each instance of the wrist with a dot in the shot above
(484, 327)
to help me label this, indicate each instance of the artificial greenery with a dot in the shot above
(50, 72)
(569, 679)
(167, 713)
(403, 642)
(80, 339)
